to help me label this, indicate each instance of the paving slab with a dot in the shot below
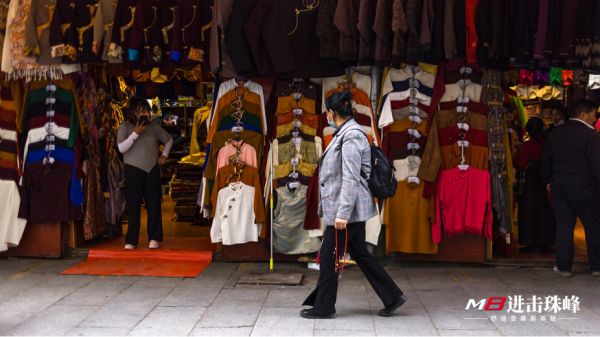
(99, 292)
(469, 333)
(406, 322)
(234, 308)
(18, 283)
(238, 331)
(282, 322)
(128, 308)
(28, 304)
(529, 329)
(91, 331)
(444, 319)
(169, 321)
(286, 298)
(54, 321)
(344, 333)
(353, 313)
(200, 291)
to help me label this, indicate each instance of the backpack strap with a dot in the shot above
(362, 174)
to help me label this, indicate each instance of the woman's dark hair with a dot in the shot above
(341, 104)
(535, 129)
(134, 105)
(582, 106)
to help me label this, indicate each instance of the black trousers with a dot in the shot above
(572, 200)
(323, 298)
(142, 185)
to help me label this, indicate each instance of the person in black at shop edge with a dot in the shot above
(571, 171)
(536, 221)
(345, 204)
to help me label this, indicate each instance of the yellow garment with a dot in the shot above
(430, 68)
(407, 224)
(157, 77)
(286, 129)
(200, 116)
(286, 104)
(510, 170)
(194, 159)
(284, 170)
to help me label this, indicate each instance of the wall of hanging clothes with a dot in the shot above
(231, 192)
(11, 224)
(319, 37)
(303, 38)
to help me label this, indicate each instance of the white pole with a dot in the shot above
(271, 262)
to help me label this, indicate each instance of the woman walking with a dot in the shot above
(138, 140)
(345, 203)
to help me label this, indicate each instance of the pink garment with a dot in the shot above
(463, 203)
(247, 154)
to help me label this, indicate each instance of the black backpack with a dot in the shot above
(382, 182)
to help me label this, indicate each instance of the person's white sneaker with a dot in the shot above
(129, 247)
(562, 273)
(153, 244)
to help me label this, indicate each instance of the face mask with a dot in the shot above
(331, 122)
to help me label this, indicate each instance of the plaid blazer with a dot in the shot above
(343, 192)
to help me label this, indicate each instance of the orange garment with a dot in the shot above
(471, 25)
(359, 97)
(247, 96)
(436, 158)
(311, 120)
(249, 176)
(449, 118)
(286, 104)
(405, 124)
(407, 221)
(475, 156)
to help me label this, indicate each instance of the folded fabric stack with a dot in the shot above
(184, 187)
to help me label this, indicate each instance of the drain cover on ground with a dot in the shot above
(291, 279)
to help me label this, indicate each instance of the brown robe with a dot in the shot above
(37, 31)
(103, 23)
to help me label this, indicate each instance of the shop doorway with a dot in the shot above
(514, 254)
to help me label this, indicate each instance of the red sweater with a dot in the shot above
(463, 203)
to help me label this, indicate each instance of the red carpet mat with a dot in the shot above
(177, 257)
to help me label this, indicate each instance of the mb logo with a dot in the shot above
(489, 304)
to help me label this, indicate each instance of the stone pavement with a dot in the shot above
(34, 300)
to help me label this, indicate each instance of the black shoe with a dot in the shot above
(389, 309)
(311, 314)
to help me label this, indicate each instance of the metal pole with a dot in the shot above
(271, 262)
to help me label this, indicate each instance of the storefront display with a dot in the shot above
(443, 87)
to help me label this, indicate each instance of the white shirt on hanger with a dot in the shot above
(386, 118)
(234, 221)
(395, 75)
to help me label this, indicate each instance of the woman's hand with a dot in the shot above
(162, 160)
(340, 223)
(139, 128)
